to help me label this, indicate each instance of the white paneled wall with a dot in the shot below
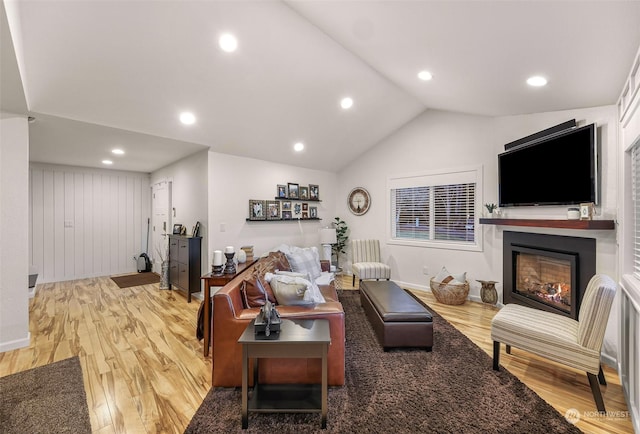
(86, 222)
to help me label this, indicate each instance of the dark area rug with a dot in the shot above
(452, 389)
(48, 399)
(136, 279)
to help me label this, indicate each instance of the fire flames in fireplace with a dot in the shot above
(544, 279)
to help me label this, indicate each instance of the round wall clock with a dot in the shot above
(359, 201)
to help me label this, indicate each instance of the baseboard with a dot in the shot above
(13, 345)
(609, 361)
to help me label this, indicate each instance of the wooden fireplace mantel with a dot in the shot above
(547, 223)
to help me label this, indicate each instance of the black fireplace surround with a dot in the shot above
(579, 252)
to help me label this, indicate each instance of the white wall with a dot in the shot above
(189, 197)
(432, 141)
(86, 222)
(441, 140)
(233, 181)
(14, 255)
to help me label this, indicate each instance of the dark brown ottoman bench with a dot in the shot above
(397, 318)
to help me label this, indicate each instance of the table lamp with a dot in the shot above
(327, 238)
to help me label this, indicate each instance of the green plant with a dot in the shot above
(491, 207)
(341, 237)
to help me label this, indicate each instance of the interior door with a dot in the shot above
(161, 222)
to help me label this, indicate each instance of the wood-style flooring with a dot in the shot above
(144, 370)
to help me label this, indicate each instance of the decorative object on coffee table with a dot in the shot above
(488, 292)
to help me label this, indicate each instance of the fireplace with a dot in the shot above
(547, 272)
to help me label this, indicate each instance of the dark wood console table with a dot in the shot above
(210, 280)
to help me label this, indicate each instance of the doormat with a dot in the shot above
(136, 279)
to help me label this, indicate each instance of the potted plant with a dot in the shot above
(491, 207)
(341, 237)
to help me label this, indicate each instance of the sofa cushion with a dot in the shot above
(290, 293)
(305, 261)
(278, 260)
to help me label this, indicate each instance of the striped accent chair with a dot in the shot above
(366, 262)
(564, 340)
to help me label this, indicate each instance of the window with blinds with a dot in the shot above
(434, 209)
(635, 191)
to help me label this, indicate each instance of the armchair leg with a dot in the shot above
(353, 282)
(601, 378)
(595, 389)
(496, 355)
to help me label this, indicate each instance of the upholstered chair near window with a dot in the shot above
(564, 340)
(366, 262)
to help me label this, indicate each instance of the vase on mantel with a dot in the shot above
(164, 275)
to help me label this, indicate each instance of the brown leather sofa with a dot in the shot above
(231, 317)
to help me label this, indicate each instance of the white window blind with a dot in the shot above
(635, 180)
(440, 213)
(454, 214)
(412, 213)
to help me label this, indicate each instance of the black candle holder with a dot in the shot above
(230, 266)
(217, 269)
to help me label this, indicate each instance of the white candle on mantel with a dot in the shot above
(229, 249)
(217, 257)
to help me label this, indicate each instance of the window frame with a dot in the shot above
(459, 175)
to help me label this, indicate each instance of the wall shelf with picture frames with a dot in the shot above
(284, 209)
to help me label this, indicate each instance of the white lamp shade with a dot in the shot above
(328, 236)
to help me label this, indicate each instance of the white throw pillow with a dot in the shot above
(305, 261)
(311, 295)
(443, 274)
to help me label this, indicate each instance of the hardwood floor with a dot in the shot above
(144, 371)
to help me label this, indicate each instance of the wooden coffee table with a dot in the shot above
(298, 339)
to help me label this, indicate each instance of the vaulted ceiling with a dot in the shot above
(97, 75)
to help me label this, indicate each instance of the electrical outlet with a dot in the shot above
(425, 270)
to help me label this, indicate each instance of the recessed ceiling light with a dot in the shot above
(536, 81)
(425, 75)
(228, 42)
(187, 118)
(298, 147)
(107, 162)
(346, 103)
(117, 151)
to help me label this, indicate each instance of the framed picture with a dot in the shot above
(257, 210)
(313, 212)
(286, 215)
(304, 193)
(314, 192)
(297, 211)
(305, 206)
(286, 205)
(305, 214)
(293, 191)
(586, 211)
(177, 229)
(282, 191)
(273, 210)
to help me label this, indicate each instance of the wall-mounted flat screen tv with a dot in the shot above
(561, 169)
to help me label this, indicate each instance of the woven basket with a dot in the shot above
(448, 293)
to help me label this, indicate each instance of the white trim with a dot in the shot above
(15, 344)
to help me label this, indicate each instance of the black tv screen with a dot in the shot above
(557, 170)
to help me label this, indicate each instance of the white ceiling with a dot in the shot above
(104, 74)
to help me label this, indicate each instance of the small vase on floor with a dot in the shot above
(488, 292)
(164, 275)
